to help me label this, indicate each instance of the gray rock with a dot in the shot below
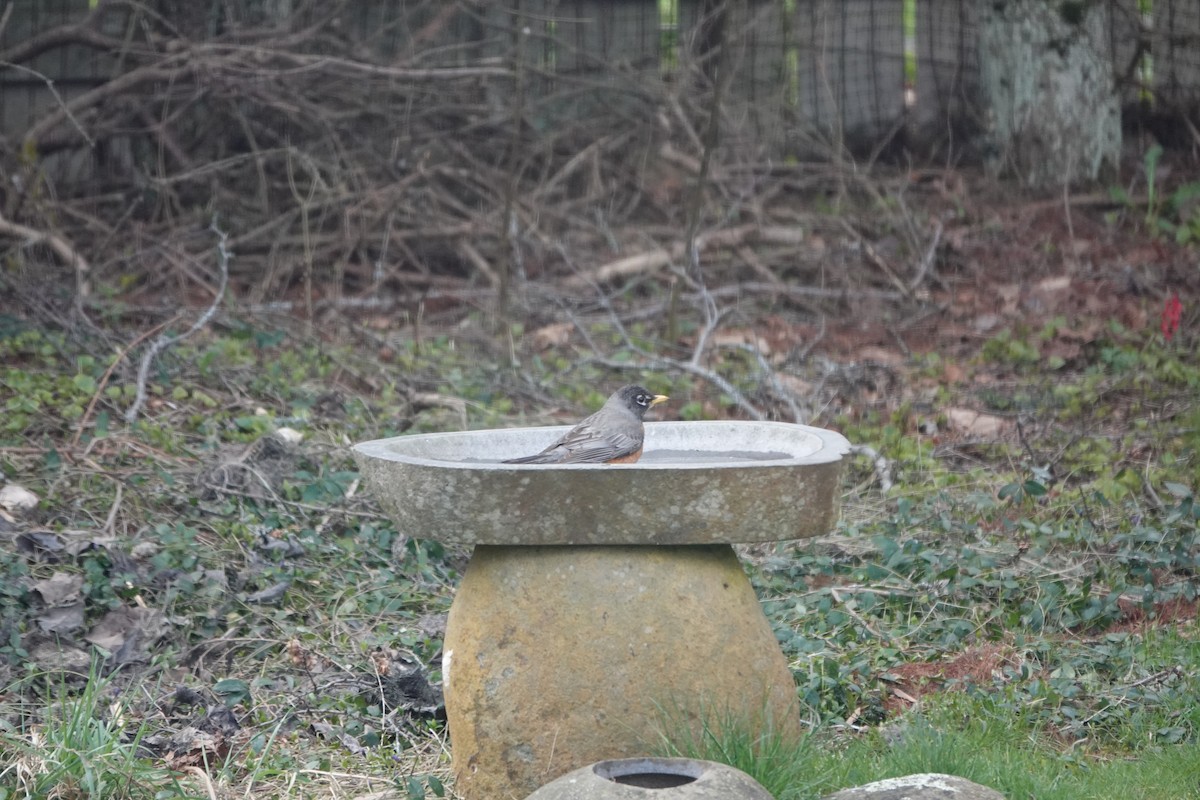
(924, 786)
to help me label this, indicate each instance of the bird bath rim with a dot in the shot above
(801, 445)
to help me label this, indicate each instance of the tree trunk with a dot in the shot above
(1048, 85)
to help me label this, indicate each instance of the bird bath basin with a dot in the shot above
(697, 483)
(604, 602)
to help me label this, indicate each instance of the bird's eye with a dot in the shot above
(643, 399)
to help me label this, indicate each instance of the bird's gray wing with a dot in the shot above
(601, 437)
(588, 447)
(587, 444)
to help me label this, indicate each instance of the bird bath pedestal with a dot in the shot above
(603, 606)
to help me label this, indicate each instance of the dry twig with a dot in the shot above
(61, 247)
(162, 343)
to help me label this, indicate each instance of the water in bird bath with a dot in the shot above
(665, 457)
(671, 456)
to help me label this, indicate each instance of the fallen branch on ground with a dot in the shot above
(657, 259)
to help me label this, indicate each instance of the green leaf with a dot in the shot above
(232, 691)
(1184, 195)
(1177, 489)
(1034, 488)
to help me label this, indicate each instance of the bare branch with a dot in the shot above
(80, 33)
(772, 377)
(163, 342)
(61, 247)
(165, 70)
(670, 364)
(64, 109)
(930, 256)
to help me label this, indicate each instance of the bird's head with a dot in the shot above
(638, 399)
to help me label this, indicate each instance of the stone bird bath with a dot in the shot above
(602, 601)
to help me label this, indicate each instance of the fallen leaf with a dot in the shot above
(1057, 284)
(40, 543)
(216, 577)
(734, 337)
(1059, 348)
(956, 238)
(220, 720)
(188, 747)
(288, 547)
(986, 322)
(60, 589)
(1086, 332)
(952, 372)
(1009, 294)
(796, 386)
(63, 619)
(555, 335)
(16, 498)
(144, 550)
(130, 651)
(112, 631)
(289, 435)
(880, 355)
(78, 542)
(55, 657)
(271, 594)
(975, 423)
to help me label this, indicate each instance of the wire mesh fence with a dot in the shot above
(857, 72)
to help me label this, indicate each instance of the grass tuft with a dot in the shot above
(85, 745)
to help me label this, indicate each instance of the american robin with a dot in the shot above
(613, 435)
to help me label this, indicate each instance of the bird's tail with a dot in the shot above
(539, 458)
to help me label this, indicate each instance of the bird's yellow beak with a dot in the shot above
(658, 398)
